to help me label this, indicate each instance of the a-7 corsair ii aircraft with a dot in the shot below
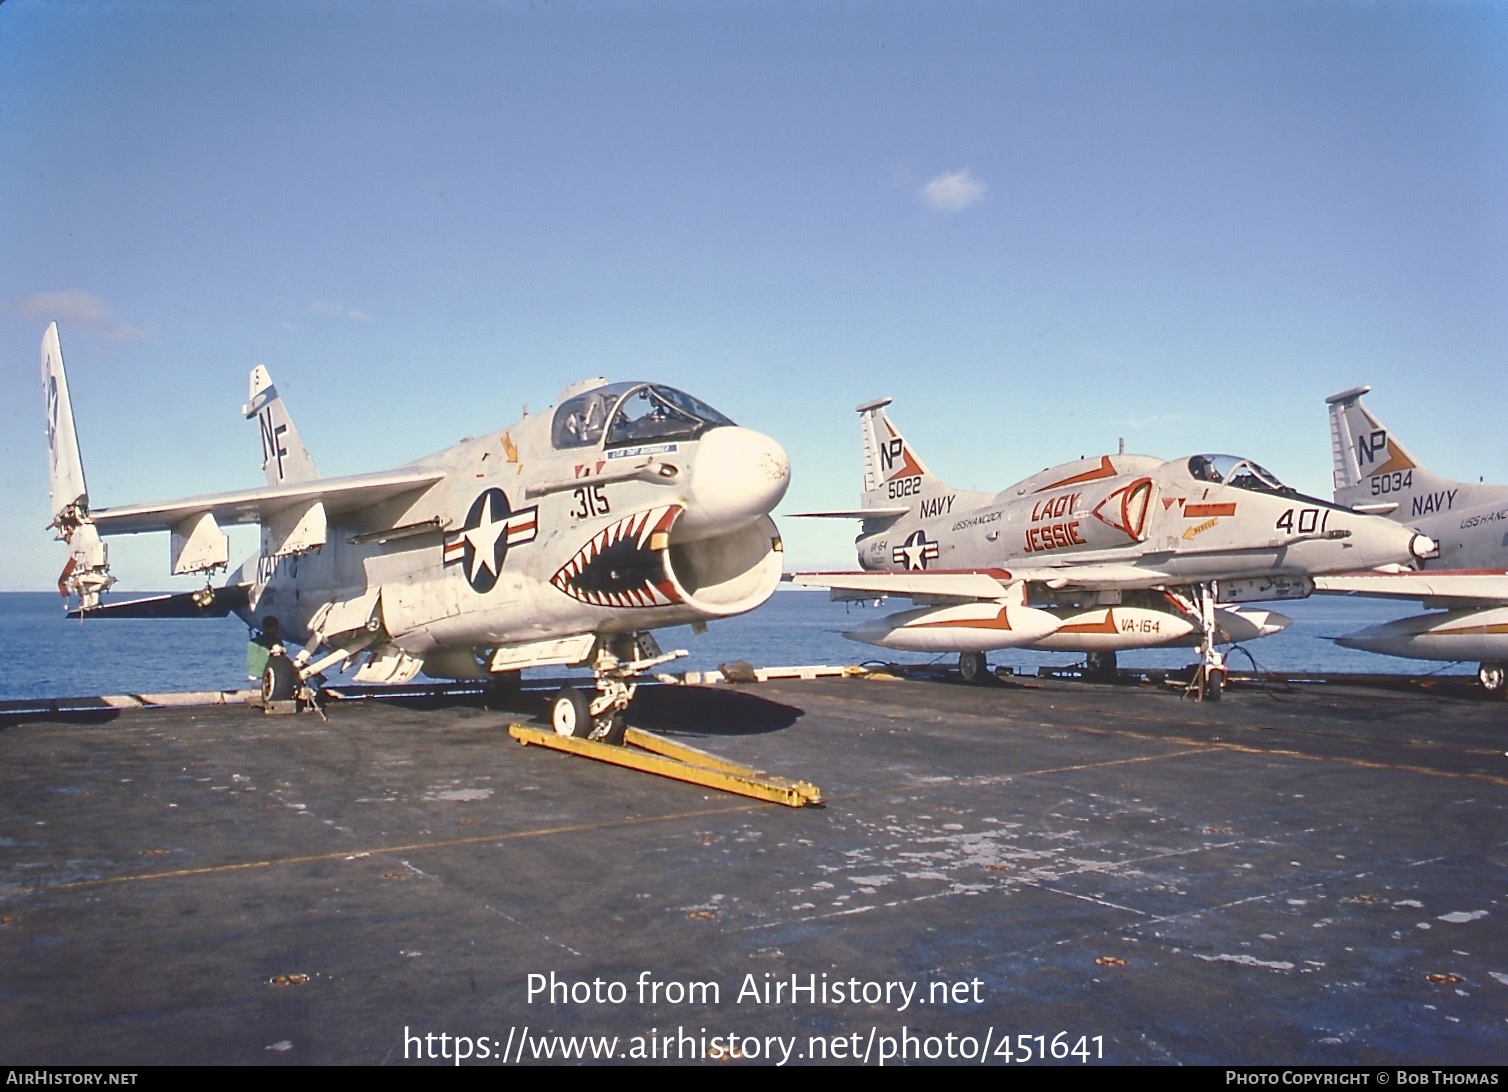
(1119, 551)
(562, 539)
(1469, 580)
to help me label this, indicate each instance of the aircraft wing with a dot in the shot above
(966, 586)
(219, 603)
(855, 513)
(1437, 587)
(257, 505)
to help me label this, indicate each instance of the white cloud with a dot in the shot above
(953, 192)
(1158, 420)
(75, 307)
(355, 314)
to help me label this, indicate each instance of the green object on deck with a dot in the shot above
(256, 660)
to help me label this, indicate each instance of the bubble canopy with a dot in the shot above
(1235, 471)
(620, 414)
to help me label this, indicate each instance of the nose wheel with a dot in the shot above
(604, 717)
(571, 715)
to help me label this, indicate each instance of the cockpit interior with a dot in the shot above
(1235, 471)
(622, 414)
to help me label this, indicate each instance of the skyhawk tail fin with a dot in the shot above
(1373, 471)
(894, 476)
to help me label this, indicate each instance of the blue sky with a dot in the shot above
(1039, 227)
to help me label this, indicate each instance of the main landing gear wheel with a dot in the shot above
(973, 667)
(1100, 665)
(1494, 679)
(571, 713)
(279, 680)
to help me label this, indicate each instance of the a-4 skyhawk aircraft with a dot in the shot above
(1107, 553)
(1468, 582)
(562, 539)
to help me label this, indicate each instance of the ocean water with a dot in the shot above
(47, 655)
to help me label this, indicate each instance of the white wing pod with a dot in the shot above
(1116, 628)
(1120, 628)
(1442, 635)
(968, 627)
(1249, 625)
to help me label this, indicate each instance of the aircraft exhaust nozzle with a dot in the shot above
(1423, 547)
(737, 475)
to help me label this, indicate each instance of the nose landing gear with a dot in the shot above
(620, 659)
(1209, 677)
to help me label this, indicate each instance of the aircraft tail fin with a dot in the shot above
(1372, 469)
(87, 571)
(893, 473)
(284, 456)
(70, 495)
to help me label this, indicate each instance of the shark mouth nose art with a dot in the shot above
(624, 565)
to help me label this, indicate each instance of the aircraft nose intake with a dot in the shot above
(1423, 547)
(737, 475)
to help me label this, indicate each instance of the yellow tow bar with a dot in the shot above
(653, 754)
